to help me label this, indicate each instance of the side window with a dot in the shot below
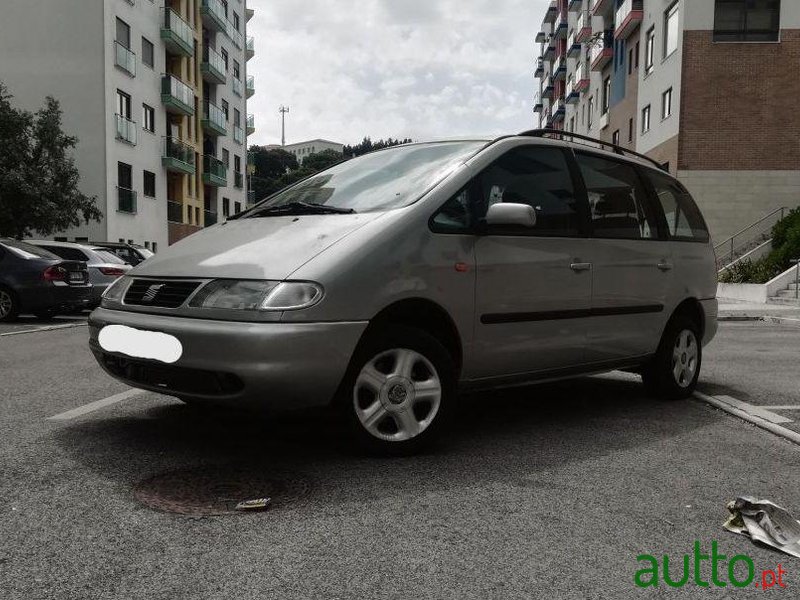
(684, 220)
(455, 216)
(617, 199)
(540, 177)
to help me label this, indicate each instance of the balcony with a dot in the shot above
(238, 180)
(572, 95)
(604, 120)
(559, 69)
(539, 69)
(178, 98)
(213, 66)
(214, 171)
(538, 106)
(600, 8)
(251, 86)
(214, 119)
(210, 218)
(561, 27)
(238, 134)
(602, 51)
(558, 111)
(249, 13)
(581, 78)
(251, 124)
(174, 212)
(552, 13)
(550, 51)
(573, 46)
(125, 59)
(583, 28)
(238, 87)
(214, 15)
(547, 88)
(629, 16)
(126, 129)
(178, 36)
(234, 35)
(541, 37)
(575, 5)
(250, 52)
(126, 200)
(177, 156)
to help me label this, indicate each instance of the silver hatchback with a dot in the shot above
(385, 285)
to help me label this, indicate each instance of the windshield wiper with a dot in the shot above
(301, 208)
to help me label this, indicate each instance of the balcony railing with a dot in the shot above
(251, 48)
(209, 218)
(214, 119)
(126, 129)
(602, 51)
(251, 124)
(214, 171)
(177, 34)
(539, 72)
(214, 14)
(581, 77)
(176, 95)
(238, 134)
(629, 15)
(238, 87)
(234, 35)
(174, 212)
(251, 86)
(178, 156)
(583, 27)
(125, 59)
(213, 66)
(126, 200)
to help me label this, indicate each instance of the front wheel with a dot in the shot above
(673, 372)
(9, 307)
(399, 392)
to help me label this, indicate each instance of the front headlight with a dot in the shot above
(257, 295)
(116, 291)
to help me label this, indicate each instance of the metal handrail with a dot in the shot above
(781, 210)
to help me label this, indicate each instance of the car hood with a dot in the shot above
(255, 248)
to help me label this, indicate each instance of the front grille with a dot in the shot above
(163, 293)
(171, 379)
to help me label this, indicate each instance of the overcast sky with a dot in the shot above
(401, 68)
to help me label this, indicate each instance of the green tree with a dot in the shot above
(272, 163)
(320, 161)
(38, 178)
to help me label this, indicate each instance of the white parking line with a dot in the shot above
(786, 407)
(97, 405)
(45, 328)
(759, 411)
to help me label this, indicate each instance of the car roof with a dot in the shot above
(79, 245)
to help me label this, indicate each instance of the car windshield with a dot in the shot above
(374, 182)
(108, 257)
(144, 252)
(27, 251)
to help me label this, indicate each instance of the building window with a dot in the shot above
(666, 104)
(224, 54)
(646, 119)
(630, 130)
(225, 109)
(615, 138)
(671, 30)
(636, 56)
(226, 207)
(226, 158)
(236, 69)
(747, 21)
(572, 124)
(123, 104)
(149, 184)
(649, 50)
(606, 95)
(591, 112)
(237, 208)
(148, 118)
(630, 61)
(123, 33)
(236, 21)
(237, 117)
(237, 164)
(148, 54)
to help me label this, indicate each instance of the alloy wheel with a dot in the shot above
(6, 304)
(684, 358)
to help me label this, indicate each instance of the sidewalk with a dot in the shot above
(735, 310)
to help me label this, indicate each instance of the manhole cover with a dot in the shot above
(213, 491)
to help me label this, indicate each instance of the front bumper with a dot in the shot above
(264, 365)
(710, 312)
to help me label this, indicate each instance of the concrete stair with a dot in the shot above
(787, 296)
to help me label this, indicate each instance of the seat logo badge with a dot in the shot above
(152, 292)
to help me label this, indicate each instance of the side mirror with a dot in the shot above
(508, 214)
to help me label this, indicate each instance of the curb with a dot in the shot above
(46, 328)
(783, 432)
(765, 318)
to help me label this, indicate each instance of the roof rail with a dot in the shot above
(577, 136)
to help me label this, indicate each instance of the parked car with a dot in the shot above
(103, 265)
(132, 254)
(33, 280)
(386, 284)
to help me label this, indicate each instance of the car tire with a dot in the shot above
(9, 305)
(672, 374)
(399, 393)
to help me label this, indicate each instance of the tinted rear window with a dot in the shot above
(108, 256)
(27, 251)
(684, 220)
(67, 253)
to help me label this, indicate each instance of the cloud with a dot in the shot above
(399, 68)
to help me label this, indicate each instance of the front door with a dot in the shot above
(533, 287)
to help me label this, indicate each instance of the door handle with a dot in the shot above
(580, 266)
(664, 265)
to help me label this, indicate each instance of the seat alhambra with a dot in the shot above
(388, 283)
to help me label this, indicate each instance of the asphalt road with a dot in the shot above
(545, 492)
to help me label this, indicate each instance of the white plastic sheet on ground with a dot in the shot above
(765, 522)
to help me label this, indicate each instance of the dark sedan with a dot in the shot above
(33, 280)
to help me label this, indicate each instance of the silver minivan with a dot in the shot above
(386, 284)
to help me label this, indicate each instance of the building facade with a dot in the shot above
(155, 92)
(303, 149)
(705, 87)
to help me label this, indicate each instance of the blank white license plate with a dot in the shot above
(138, 343)
(76, 276)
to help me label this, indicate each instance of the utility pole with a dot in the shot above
(283, 110)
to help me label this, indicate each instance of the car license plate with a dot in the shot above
(76, 276)
(138, 343)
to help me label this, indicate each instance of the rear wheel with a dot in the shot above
(9, 306)
(399, 392)
(673, 372)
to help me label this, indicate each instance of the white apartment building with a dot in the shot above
(303, 149)
(155, 91)
(705, 87)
